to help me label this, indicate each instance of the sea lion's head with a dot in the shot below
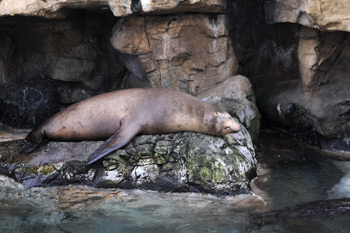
(225, 124)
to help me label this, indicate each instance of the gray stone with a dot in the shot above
(170, 162)
(325, 110)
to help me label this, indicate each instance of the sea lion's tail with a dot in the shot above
(32, 141)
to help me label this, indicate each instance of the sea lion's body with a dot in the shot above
(121, 115)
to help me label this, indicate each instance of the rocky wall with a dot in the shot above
(317, 101)
(68, 54)
(48, 64)
(191, 53)
(295, 55)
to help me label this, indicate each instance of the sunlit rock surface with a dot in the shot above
(325, 111)
(169, 162)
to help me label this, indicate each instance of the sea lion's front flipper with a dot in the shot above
(116, 141)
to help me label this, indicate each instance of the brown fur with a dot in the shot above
(127, 113)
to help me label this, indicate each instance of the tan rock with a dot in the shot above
(128, 7)
(319, 53)
(186, 52)
(330, 15)
(45, 8)
(308, 56)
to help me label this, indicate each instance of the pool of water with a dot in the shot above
(285, 182)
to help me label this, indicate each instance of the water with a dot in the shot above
(81, 210)
(77, 209)
(296, 183)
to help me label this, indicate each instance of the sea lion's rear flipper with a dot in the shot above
(116, 141)
(32, 141)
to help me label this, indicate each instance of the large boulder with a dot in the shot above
(28, 103)
(170, 162)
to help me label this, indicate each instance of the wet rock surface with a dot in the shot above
(324, 111)
(171, 162)
(48, 64)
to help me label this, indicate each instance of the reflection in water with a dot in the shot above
(341, 189)
(83, 209)
(11, 134)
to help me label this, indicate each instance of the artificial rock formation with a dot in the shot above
(170, 162)
(185, 51)
(191, 53)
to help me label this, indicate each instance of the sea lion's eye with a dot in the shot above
(227, 127)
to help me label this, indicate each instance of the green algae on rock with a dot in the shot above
(168, 162)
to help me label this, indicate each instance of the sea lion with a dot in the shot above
(121, 115)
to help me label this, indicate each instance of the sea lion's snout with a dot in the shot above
(227, 124)
(230, 126)
(233, 127)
